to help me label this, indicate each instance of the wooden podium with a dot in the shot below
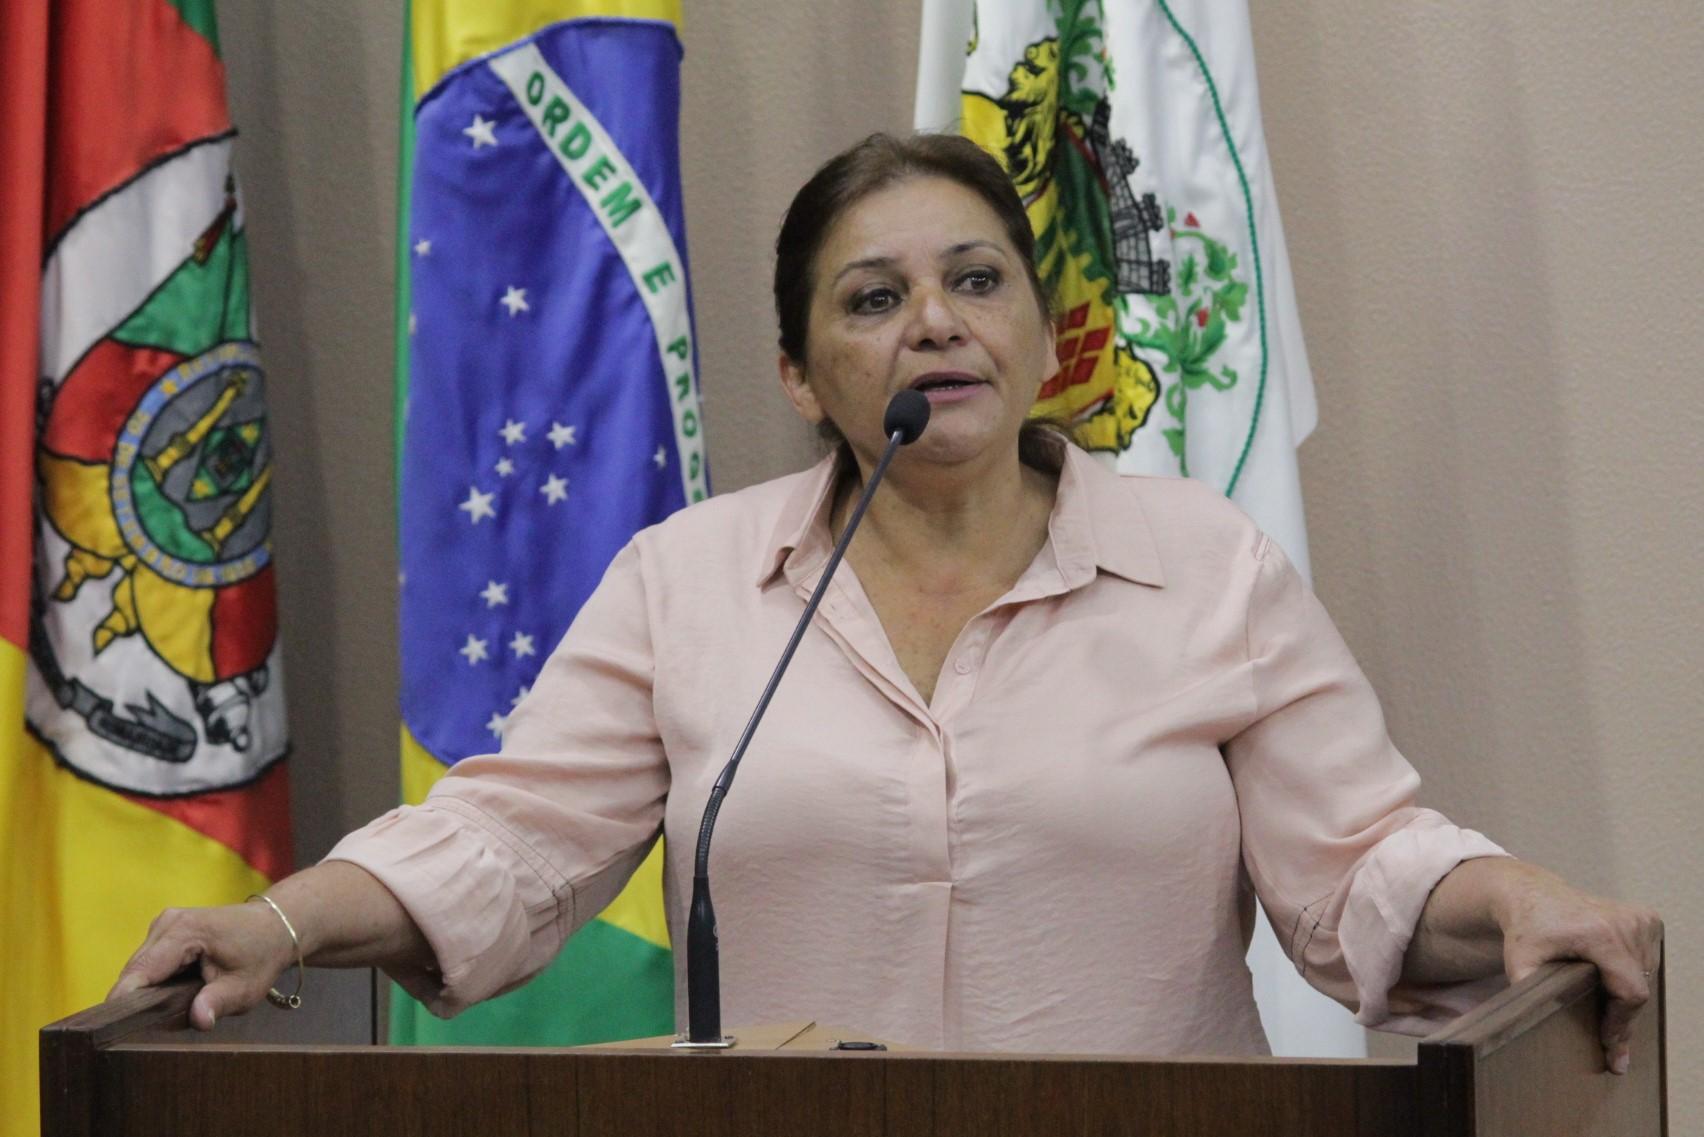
(1527, 1062)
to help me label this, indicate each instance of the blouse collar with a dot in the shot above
(1097, 525)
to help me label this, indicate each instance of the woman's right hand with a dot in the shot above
(239, 949)
(344, 915)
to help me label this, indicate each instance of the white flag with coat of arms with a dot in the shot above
(1133, 133)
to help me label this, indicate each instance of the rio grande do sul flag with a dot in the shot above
(142, 745)
(549, 410)
(1132, 130)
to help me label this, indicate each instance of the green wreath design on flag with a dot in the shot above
(1206, 298)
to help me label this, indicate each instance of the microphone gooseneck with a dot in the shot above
(907, 415)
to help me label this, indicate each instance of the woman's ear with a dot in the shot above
(798, 391)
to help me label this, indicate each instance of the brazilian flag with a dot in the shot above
(547, 410)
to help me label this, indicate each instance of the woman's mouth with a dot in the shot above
(948, 388)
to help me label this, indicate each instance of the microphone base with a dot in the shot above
(683, 1042)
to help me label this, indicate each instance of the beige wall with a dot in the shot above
(1493, 214)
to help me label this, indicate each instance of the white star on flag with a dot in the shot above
(504, 467)
(496, 724)
(515, 300)
(478, 504)
(661, 457)
(422, 247)
(522, 646)
(513, 432)
(481, 132)
(560, 435)
(474, 649)
(494, 594)
(519, 695)
(554, 489)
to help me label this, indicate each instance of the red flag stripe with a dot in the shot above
(91, 405)
(245, 622)
(254, 821)
(23, 92)
(139, 56)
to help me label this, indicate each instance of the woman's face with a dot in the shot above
(917, 285)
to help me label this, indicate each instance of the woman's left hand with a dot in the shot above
(1545, 919)
(1493, 910)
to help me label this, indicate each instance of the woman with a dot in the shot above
(1051, 734)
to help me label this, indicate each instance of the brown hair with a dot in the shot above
(852, 175)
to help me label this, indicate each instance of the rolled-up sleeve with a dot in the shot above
(510, 853)
(1339, 854)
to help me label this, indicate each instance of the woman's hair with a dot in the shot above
(846, 179)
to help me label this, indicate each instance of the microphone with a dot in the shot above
(907, 414)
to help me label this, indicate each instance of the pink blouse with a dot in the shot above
(1060, 852)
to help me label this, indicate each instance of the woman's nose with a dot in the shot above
(935, 321)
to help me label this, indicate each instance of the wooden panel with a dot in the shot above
(68, 1072)
(204, 1091)
(133, 1069)
(1529, 1062)
(908, 1098)
(71, 1053)
(1525, 1063)
(948, 1097)
(1554, 1079)
(716, 1095)
(199, 1091)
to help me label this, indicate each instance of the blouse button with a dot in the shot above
(962, 666)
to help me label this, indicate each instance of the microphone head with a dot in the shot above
(907, 414)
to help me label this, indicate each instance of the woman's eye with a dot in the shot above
(979, 280)
(873, 300)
